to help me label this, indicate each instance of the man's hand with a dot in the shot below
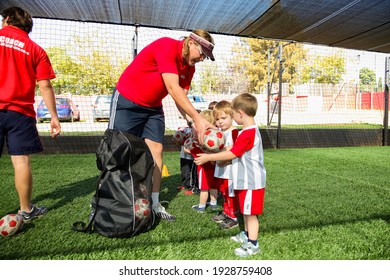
(55, 127)
(200, 126)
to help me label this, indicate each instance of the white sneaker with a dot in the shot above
(240, 238)
(160, 212)
(247, 249)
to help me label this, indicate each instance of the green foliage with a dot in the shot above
(325, 204)
(325, 70)
(380, 84)
(253, 66)
(210, 81)
(367, 78)
(84, 69)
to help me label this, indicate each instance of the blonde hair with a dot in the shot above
(222, 107)
(208, 115)
(245, 102)
(200, 32)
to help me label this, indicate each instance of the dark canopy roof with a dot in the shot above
(355, 24)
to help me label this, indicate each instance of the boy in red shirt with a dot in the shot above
(248, 172)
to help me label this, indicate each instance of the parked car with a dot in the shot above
(198, 102)
(101, 108)
(66, 110)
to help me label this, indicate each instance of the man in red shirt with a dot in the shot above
(166, 66)
(23, 64)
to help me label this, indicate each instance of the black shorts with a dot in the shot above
(20, 133)
(143, 122)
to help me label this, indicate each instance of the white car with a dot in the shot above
(198, 102)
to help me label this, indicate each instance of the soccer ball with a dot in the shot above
(188, 133)
(141, 208)
(10, 224)
(192, 144)
(214, 140)
(179, 137)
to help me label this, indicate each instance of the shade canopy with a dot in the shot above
(353, 24)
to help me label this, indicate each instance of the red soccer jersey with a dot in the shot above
(142, 83)
(22, 63)
(248, 171)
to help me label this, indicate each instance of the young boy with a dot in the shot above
(248, 172)
(188, 169)
(206, 181)
(223, 115)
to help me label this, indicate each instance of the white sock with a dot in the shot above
(213, 202)
(202, 205)
(155, 198)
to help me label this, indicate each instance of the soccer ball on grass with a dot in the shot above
(10, 224)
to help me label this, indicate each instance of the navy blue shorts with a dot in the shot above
(143, 122)
(20, 133)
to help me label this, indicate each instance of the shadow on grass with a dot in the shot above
(65, 195)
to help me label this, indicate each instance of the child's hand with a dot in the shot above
(201, 159)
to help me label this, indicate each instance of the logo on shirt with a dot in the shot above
(13, 43)
(182, 76)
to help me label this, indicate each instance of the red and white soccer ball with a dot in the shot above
(179, 137)
(141, 208)
(10, 224)
(191, 144)
(214, 140)
(188, 133)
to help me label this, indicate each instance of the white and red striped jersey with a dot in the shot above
(224, 171)
(248, 171)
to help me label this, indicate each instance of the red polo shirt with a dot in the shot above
(22, 63)
(142, 83)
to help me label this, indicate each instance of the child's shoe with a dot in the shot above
(247, 249)
(219, 218)
(240, 238)
(198, 209)
(228, 223)
(213, 207)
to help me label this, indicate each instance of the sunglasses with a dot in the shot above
(201, 52)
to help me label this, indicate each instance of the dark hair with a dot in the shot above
(19, 18)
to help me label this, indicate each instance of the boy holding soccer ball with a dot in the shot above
(248, 173)
(223, 115)
(206, 180)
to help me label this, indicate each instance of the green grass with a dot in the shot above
(320, 204)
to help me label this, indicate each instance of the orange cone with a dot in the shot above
(164, 172)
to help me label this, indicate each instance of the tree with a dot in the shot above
(325, 70)
(380, 84)
(250, 60)
(82, 68)
(367, 78)
(67, 71)
(209, 81)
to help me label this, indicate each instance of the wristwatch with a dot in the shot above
(190, 123)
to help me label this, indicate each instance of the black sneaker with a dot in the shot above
(160, 212)
(219, 218)
(35, 212)
(228, 223)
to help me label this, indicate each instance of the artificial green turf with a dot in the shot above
(320, 204)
